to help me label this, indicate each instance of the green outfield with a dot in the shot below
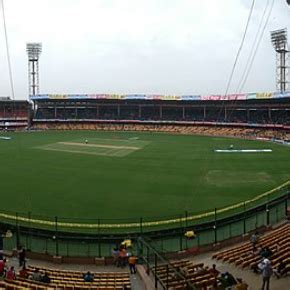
(121, 176)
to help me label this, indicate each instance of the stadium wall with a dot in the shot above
(213, 229)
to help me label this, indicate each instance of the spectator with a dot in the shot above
(214, 271)
(254, 240)
(265, 253)
(36, 275)
(280, 269)
(21, 257)
(223, 284)
(255, 268)
(132, 264)
(267, 271)
(268, 252)
(226, 280)
(122, 257)
(10, 274)
(45, 278)
(262, 252)
(2, 267)
(230, 279)
(241, 285)
(88, 277)
(23, 273)
(201, 270)
(115, 255)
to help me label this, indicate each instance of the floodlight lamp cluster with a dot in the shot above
(279, 39)
(33, 50)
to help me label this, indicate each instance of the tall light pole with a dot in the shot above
(33, 51)
(279, 41)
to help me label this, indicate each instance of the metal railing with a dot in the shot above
(153, 258)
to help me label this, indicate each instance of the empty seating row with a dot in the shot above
(33, 285)
(196, 274)
(185, 129)
(277, 244)
(70, 280)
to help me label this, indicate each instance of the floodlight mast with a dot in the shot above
(33, 51)
(279, 41)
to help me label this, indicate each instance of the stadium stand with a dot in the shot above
(192, 273)
(199, 275)
(277, 241)
(246, 115)
(71, 280)
(14, 115)
(245, 109)
(209, 130)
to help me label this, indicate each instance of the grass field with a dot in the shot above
(121, 175)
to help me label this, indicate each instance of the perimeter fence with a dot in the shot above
(96, 238)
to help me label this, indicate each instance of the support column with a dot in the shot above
(56, 237)
(155, 275)
(119, 109)
(267, 215)
(215, 226)
(1, 247)
(245, 228)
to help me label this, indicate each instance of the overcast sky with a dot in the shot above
(138, 46)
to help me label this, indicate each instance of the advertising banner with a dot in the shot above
(231, 97)
(264, 95)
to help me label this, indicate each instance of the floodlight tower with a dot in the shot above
(279, 41)
(33, 51)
